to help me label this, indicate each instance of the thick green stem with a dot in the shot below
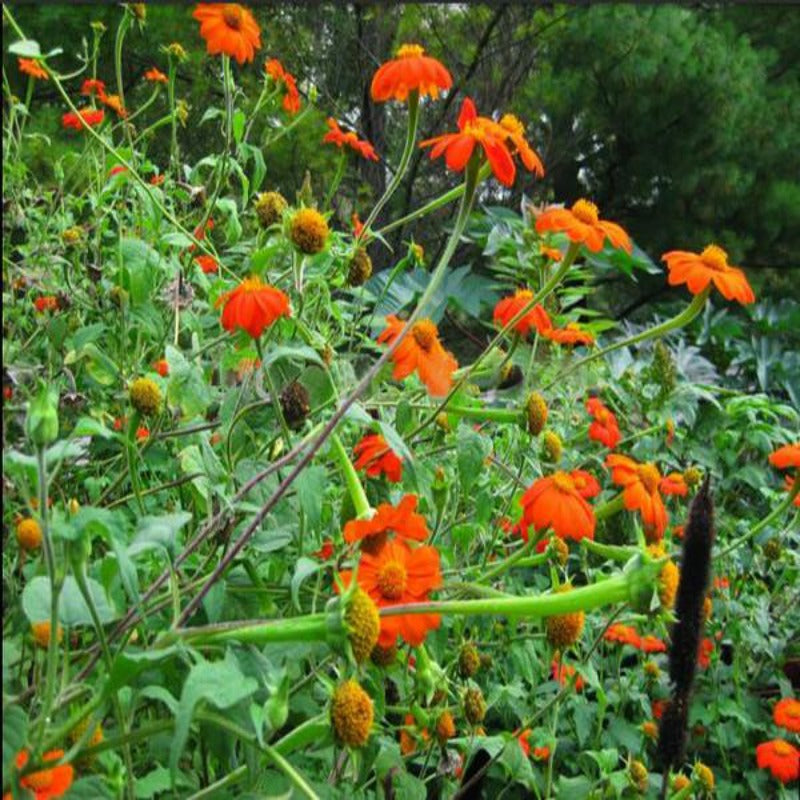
(612, 552)
(309, 628)
(351, 479)
(488, 414)
(613, 506)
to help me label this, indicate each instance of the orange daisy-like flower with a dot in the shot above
(604, 429)
(46, 783)
(199, 233)
(553, 253)
(92, 86)
(780, 758)
(208, 264)
(252, 306)
(155, 76)
(161, 367)
(640, 484)
(422, 351)
(341, 138)
(142, 433)
(114, 102)
(30, 66)
(396, 575)
(46, 302)
(582, 224)
(559, 502)
(402, 520)
(228, 28)
(571, 334)
(509, 307)
(91, 116)
(787, 714)
(157, 180)
(564, 672)
(697, 270)
(786, 457)
(704, 651)
(374, 454)
(514, 132)
(358, 225)
(410, 71)
(325, 552)
(291, 97)
(473, 130)
(652, 644)
(623, 634)
(674, 483)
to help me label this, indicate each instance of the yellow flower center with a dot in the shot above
(586, 211)
(781, 747)
(425, 333)
(40, 780)
(512, 125)
(564, 482)
(252, 284)
(523, 294)
(715, 258)
(475, 128)
(410, 51)
(649, 476)
(392, 580)
(232, 14)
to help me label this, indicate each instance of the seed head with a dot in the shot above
(145, 396)
(363, 624)
(295, 404)
(536, 413)
(469, 660)
(474, 705)
(637, 772)
(309, 231)
(564, 630)
(552, 447)
(29, 534)
(269, 208)
(351, 714)
(445, 727)
(41, 633)
(360, 268)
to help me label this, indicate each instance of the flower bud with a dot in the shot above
(41, 423)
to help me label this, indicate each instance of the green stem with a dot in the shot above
(309, 628)
(613, 506)
(337, 179)
(678, 321)
(612, 552)
(121, 31)
(351, 479)
(487, 414)
(316, 729)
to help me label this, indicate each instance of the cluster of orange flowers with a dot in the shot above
(780, 757)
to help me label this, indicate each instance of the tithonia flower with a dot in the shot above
(572, 334)
(341, 138)
(422, 351)
(780, 758)
(375, 455)
(515, 135)
(582, 225)
(30, 66)
(640, 484)
(652, 644)
(93, 86)
(46, 783)
(559, 502)
(161, 367)
(622, 634)
(91, 116)
(252, 306)
(674, 483)
(325, 552)
(553, 253)
(539, 753)
(535, 317)
(157, 180)
(145, 396)
(208, 264)
(199, 232)
(786, 457)
(117, 170)
(114, 102)
(46, 302)
(397, 575)
(402, 520)
(291, 97)
(410, 734)
(155, 76)
(604, 429)
(704, 651)
(787, 714)
(789, 485)
(411, 70)
(697, 270)
(142, 434)
(228, 28)
(457, 148)
(564, 672)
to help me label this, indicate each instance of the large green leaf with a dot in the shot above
(15, 732)
(72, 608)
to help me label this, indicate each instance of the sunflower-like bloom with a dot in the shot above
(559, 502)
(698, 270)
(787, 714)
(582, 225)
(640, 484)
(780, 758)
(31, 67)
(674, 483)
(604, 428)
(252, 306)
(340, 138)
(786, 457)
(91, 116)
(410, 71)
(45, 783)
(402, 520)
(228, 28)
(536, 317)
(396, 575)
(422, 351)
(572, 334)
(291, 97)
(155, 76)
(374, 454)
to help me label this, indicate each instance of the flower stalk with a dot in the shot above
(351, 479)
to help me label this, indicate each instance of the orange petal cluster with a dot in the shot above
(536, 317)
(341, 138)
(228, 28)
(698, 270)
(46, 783)
(410, 71)
(786, 714)
(155, 76)
(582, 225)
(640, 484)
(780, 758)
(559, 502)
(604, 428)
(252, 306)
(374, 454)
(674, 483)
(91, 116)
(402, 520)
(31, 67)
(291, 97)
(786, 457)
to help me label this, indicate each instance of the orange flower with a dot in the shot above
(582, 224)
(157, 180)
(410, 71)
(553, 253)
(375, 455)
(789, 485)
(208, 264)
(652, 644)
(30, 66)
(674, 484)
(338, 137)
(91, 116)
(604, 429)
(509, 307)
(559, 502)
(698, 270)
(401, 519)
(780, 758)
(199, 233)
(117, 170)
(228, 28)
(514, 132)
(114, 102)
(93, 86)
(787, 714)
(291, 97)
(640, 484)
(409, 734)
(142, 433)
(563, 672)
(46, 303)
(252, 306)
(358, 225)
(474, 130)
(396, 575)
(161, 367)
(155, 76)
(786, 457)
(422, 351)
(704, 652)
(622, 634)
(45, 783)
(572, 334)
(325, 552)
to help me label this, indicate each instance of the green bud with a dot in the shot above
(642, 573)
(41, 423)
(276, 709)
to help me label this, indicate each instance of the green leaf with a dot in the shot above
(187, 387)
(139, 264)
(92, 786)
(304, 568)
(15, 733)
(299, 352)
(310, 486)
(158, 782)
(27, 48)
(129, 663)
(72, 608)
(220, 683)
(471, 450)
(239, 119)
(86, 426)
(99, 366)
(155, 532)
